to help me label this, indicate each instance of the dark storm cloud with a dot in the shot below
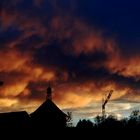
(117, 18)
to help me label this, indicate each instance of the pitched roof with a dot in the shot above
(48, 108)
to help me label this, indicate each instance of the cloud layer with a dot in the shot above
(51, 40)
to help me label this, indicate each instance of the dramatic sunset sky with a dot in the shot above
(84, 47)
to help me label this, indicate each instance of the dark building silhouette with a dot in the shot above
(48, 114)
(14, 120)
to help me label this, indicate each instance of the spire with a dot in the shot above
(49, 92)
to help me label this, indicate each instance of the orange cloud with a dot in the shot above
(12, 60)
(76, 95)
(17, 71)
(26, 78)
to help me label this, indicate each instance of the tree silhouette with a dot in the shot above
(98, 120)
(108, 122)
(69, 119)
(134, 119)
(84, 124)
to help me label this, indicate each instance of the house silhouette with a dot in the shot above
(48, 115)
(14, 120)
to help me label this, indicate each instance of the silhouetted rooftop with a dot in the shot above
(14, 119)
(14, 115)
(48, 115)
(48, 108)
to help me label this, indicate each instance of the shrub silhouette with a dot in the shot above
(69, 119)
(111, 122)
(134, 119)
(84, 124)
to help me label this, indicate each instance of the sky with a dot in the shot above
(85, 48)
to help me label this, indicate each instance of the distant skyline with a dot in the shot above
(85, 48)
